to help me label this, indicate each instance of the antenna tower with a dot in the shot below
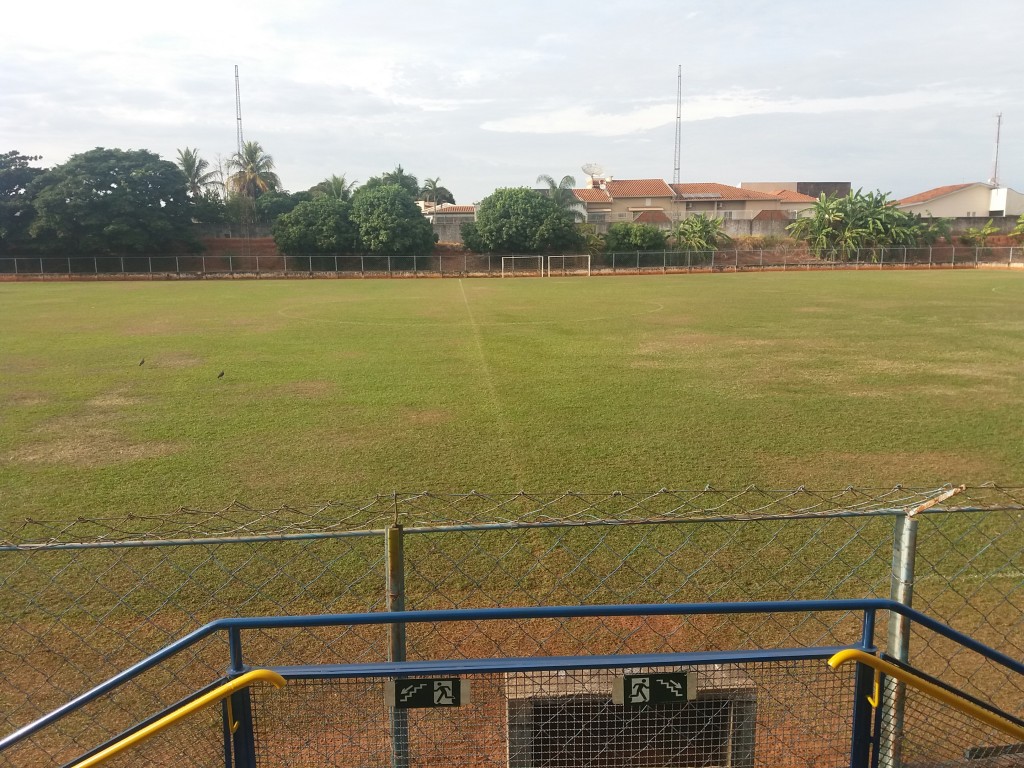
(679, 124)
(995, 167)
(238, 112)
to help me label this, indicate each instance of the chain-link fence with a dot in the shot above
(188, 266)
(83, 599)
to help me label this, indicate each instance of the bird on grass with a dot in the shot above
(142, 361)
(220, 375)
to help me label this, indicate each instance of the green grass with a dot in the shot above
(336, 389)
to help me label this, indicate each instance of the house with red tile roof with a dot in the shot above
(447, 219)
(653, 201)
(971, 200)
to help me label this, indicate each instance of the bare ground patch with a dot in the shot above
(92, 447)
(177, 361)
(427, 416)
(884, 466)
(307, 388)
(114, 400)
(25, 400)
(91, 438)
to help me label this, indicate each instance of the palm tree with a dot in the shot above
(701, 233)
(562, 193)
(197, 178)
(253, 171)
(405, 180)
(335, 186)
(428, 193)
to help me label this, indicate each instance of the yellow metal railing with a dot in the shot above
(929, 688)
(218, 693)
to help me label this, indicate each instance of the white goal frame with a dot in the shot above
(569, 256)
(511, 260)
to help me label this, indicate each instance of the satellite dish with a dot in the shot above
(593, 169)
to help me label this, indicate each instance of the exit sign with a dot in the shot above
(655, 688)
(426, 692)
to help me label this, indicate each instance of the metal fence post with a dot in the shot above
(861, 739)
(904, 550)
(239, 708)
(904, 553)
(395, 546)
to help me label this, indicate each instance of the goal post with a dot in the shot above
(575, 264)
(519, 266)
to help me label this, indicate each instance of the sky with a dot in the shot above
(895, 95)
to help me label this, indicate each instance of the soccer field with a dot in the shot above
(342, 388)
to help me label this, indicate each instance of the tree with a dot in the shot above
(199, 177)
(842, 225)
(208, 208)
(113, 201)
(700, 233)
(335, 186)
(16, 211)
(433, 192)
(522, 220)
(1017, 233)
(320, 225)
(253, 172)
(390, 223)
(593, 241)
(562, 194)
(933, 229)
(631, 236)
(471, 237)
(398, 177)
(276, 203)
(979, 236)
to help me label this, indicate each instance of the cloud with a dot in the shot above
(738, 103)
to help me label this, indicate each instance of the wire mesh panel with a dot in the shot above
(937, 734)
(196, 742)
(684, 561)
(970, 572)
(82, 599)
(793, 713)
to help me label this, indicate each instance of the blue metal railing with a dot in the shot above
(233, 627)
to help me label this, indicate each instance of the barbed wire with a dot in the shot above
(426, 510)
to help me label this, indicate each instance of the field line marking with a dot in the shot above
(499, 412)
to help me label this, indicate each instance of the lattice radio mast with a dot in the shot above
(679, 124)
(994, 181)
(240, 140)
(238, 112)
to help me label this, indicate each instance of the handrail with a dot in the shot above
(929, 688)
(218, 693)
(870, 606)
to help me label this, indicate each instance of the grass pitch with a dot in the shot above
(341, 388)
